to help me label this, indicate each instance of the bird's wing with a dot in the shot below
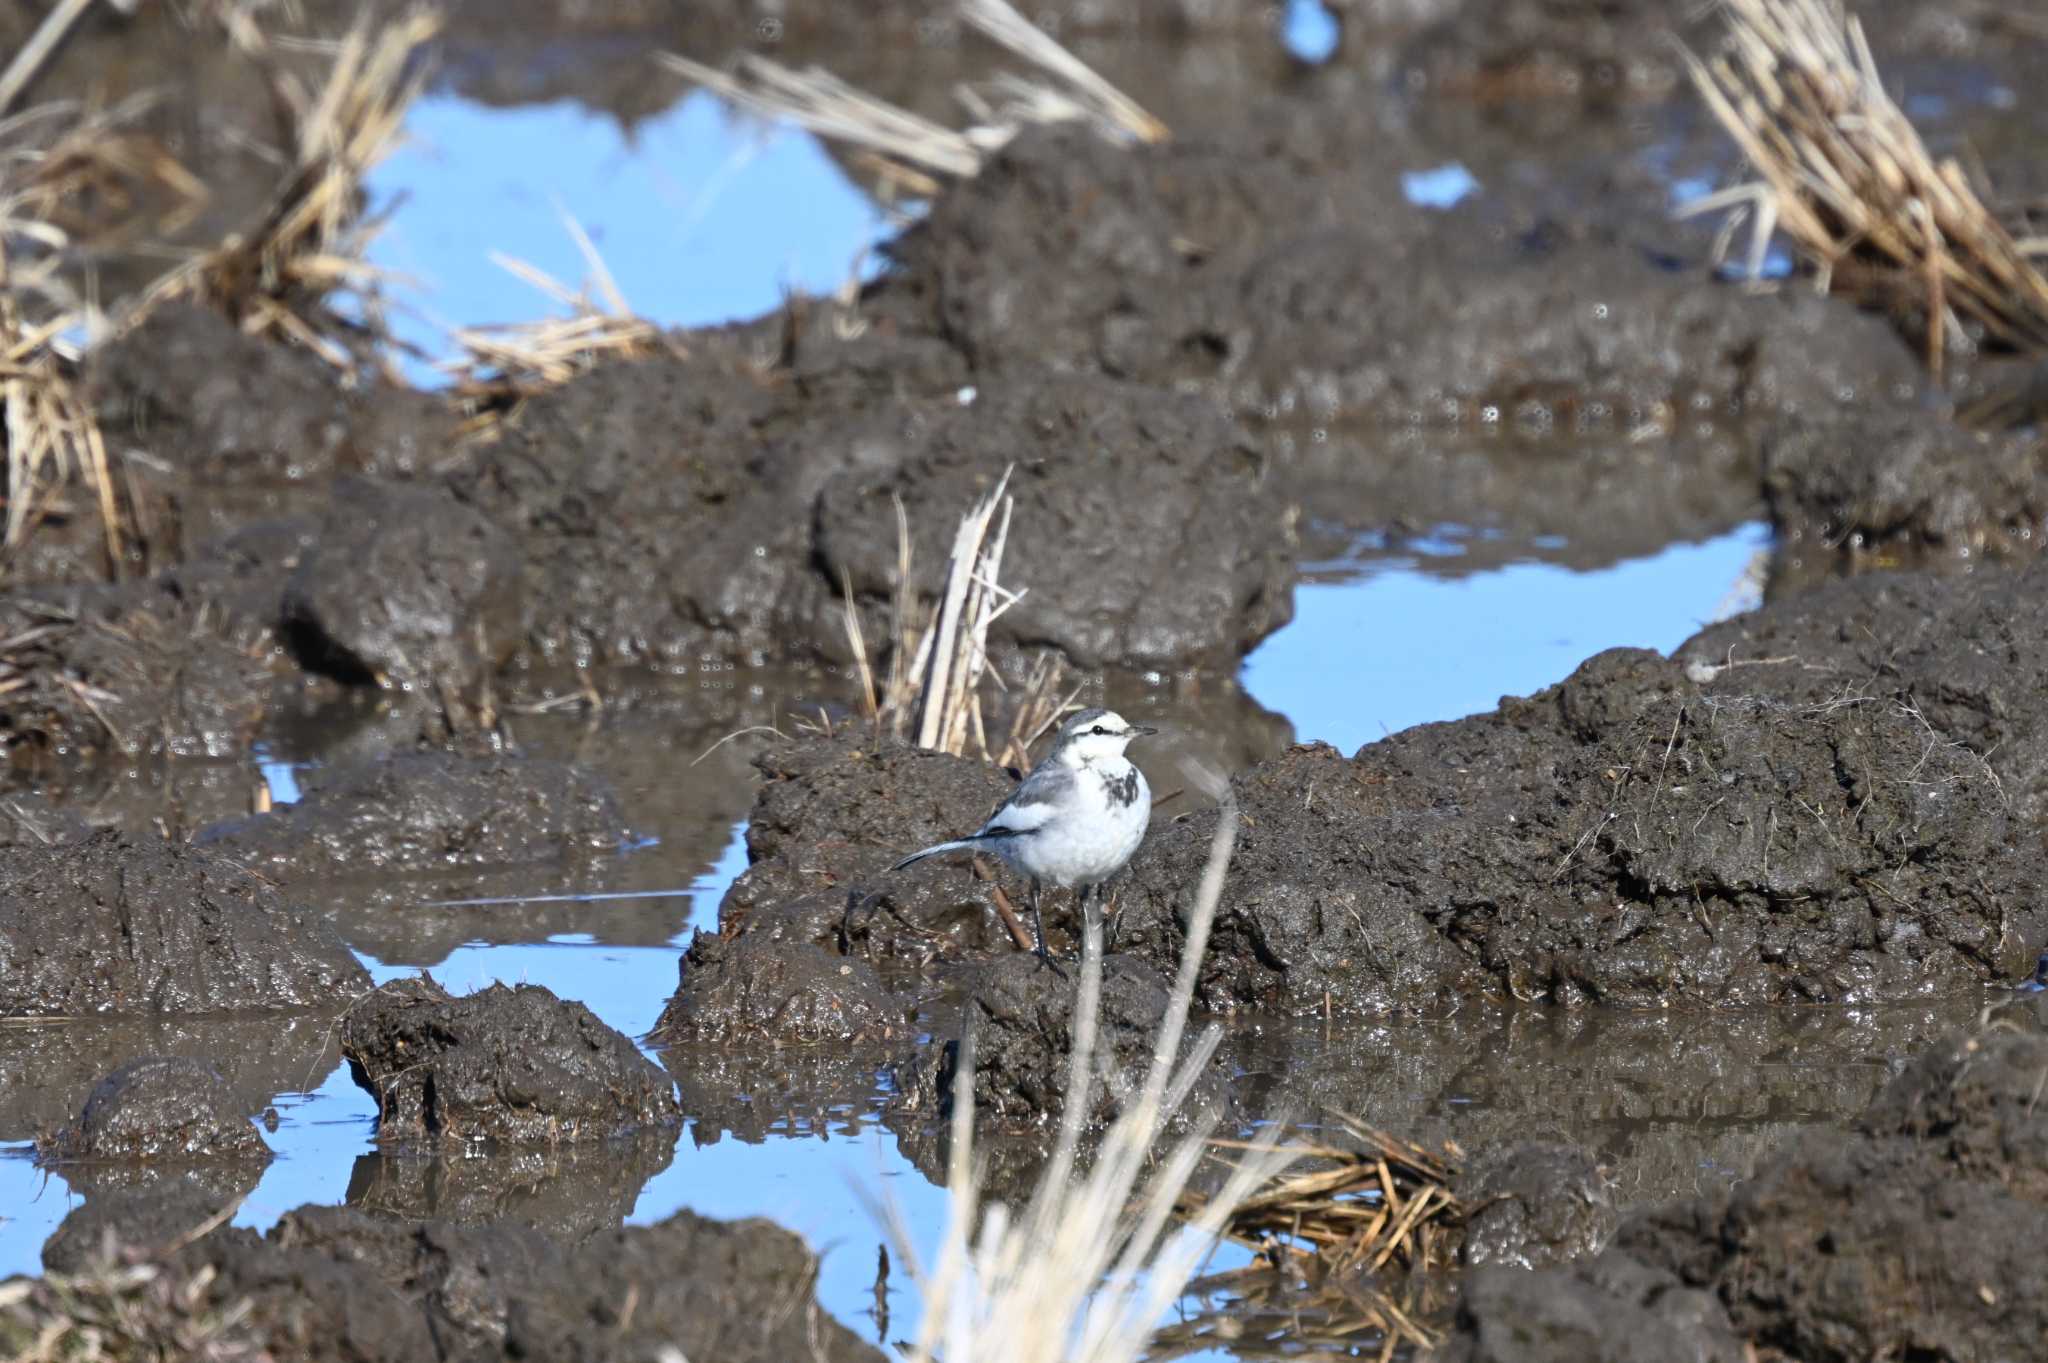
(1036, 802)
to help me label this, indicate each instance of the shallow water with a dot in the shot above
(704, 217)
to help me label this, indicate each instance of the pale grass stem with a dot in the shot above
(1088, 1268)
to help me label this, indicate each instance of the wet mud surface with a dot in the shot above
(514, 1065)
(1686, 952)
(1840, 1247)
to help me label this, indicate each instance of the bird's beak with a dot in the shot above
(1140, 730)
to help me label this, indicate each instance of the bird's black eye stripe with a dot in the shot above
(1098, 729)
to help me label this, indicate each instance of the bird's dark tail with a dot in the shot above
(957, 845)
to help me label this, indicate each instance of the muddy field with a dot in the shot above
(1715, 965)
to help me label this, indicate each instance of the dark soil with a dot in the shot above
(129, 671)
(757, 989)
(1909, 1236)
(1535, 1204)
(134, 925)
(1634, 835)
(830, 820)
(411, 590)
(160, 1108)
(732, 538)
(1021, 1014)
(331, 1284)
(427, 811)
(514, 1065)
(1889, 486)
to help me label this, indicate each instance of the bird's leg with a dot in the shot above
(1111, 924)
(1038, 922)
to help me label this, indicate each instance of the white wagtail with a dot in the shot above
(1075, 820)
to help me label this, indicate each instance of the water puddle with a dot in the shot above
(1382, 643)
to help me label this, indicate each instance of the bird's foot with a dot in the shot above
(1046, 962)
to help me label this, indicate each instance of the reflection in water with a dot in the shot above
(1393, 645)
(702, 215)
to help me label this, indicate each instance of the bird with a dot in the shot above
(1074, 821)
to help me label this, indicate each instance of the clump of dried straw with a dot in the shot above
(1088, 1267)
(280, 275)
(124, 1313)
(1846, 176)
(503, 364)
(1327, 1237)
(911, 149)
(938, 660)
(52, 439)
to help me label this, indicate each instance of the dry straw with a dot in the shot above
(911, 148)
(938, 661)
(278, 276)
(1328, 1237)
(1845, 175)
(503, 364)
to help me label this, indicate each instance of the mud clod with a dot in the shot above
(1629, 836)
(515, 1065)
(759, 989)
(1535, 1204)
(1847, 1246)
(160, 1108)
(733, 537)
(407, 589)
(1609, 1310)
(1022, 1014)
(135, 925)
(1894, 486)
(832, 817)
(127, 671)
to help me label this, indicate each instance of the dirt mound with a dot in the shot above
(159, 1108)
(1964, 653)
(135, 925)
(832, 817)
(516, 1065)
(223, 429)
(333, 1284)
(730, 538)
(97, 672)
(1470, 318)
(409, 590)
(761, 989)
(1897, 486)
(1846, 1246)
(1021, 1013)
(1628, 836)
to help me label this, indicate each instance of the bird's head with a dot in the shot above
(1093, 735)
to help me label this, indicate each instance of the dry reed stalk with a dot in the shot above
(912, 148)
(1088, 1267)
(1846, 176)
(1324, 1232)
(51, 435)
(278, 276)
(938, 662)
(503, 364)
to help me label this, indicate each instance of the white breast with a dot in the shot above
(1092, 839)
